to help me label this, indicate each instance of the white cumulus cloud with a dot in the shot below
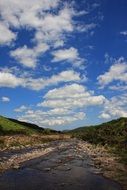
(6, 35)
(64, 105)
(5, 99)
(10, 80)
(29, 56)
(50, 21)
(21, 109)
(70, 55)
(45, 119)
(117, 72)
(124, 33)
(71, 97)
(115, 107)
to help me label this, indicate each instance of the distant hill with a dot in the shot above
(111, 133)
(10, 126)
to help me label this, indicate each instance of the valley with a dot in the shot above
(35, 158)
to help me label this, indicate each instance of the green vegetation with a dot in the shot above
(17, 134)
(8, 127)
(112, 134)
(12, 127)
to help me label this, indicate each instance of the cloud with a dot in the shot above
(50, 21)
(115, 107)
(63, 105)
(29, 56)
(6, 35)
(5, 99)
(65, 76)
(10, 80)
(108, 59)
(124, 33)
(21, 109)
(54, 27)
(72, 96)
(80, 13)
(16, 13)
(105, 116)
(70, 55)
(118, 87)
(50, 30)
(86, 27)
(47, 68)
(45, 119)
(117, 72)
(59, 111)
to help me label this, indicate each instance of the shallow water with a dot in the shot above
(63, 169)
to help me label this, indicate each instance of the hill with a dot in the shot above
(10, 126)
(112, 134)
(29, 125)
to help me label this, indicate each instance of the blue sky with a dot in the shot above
(63, 63)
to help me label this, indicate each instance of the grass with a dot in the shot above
(21, 141)
(14, 134)
(112, 134)
(8, 127)
(12, 127)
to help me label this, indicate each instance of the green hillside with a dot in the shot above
(26, 124)
(35, 127)
(10, 126)
(16, 134)
(112, 134)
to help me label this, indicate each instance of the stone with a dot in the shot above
(62, 184)
(47, 169)
(68, 169)
(16, 167)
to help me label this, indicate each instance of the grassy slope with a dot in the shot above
(112, 134)
(29, 125)
(16, 134)
(35, 127)
(11, 126)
